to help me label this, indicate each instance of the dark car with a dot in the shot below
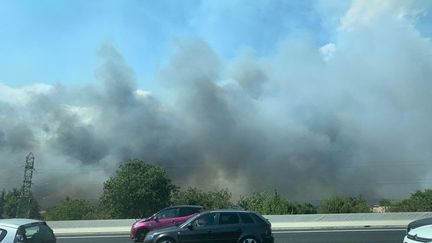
(418, 223)
(166, 217)
(25, 231)
(219, 226)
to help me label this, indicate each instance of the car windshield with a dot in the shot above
(2, 234)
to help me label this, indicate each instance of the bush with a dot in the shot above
(209, 200)
(338, 204)
(420, 201)
(71, 209)
(272, 203)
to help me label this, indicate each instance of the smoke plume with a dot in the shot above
(349, 117)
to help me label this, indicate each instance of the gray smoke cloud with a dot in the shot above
(351, 117)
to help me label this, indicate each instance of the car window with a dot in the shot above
(228, 218)
(2, 234)
(205, 220)
(46, 232)
(188, 211)
(246, 219)
(258, 218)
(169, 213)
(38, 233)
(31, 231)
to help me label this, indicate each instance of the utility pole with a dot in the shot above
(25, 195)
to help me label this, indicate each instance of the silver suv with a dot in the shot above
(25, 231)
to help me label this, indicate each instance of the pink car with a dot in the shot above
(166, 217)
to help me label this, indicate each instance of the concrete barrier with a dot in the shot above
(279, 222)
(355, 220)
(90, 227)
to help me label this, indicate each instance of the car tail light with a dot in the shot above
(268, 230)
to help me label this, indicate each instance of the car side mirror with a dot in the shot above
(156, 218)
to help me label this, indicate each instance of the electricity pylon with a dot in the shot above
(25, 195)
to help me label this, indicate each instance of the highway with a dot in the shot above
(304, 236)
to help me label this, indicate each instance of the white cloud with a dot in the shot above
(86, 115)
(21, 96)
(364, 13)
(139, 93)
(327, 51)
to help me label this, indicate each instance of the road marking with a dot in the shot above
(274, 232)
(92, 236)
(334, 231)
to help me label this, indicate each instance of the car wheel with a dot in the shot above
(141, 235)
(166, 240)
(248, 240)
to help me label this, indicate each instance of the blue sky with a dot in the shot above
(57, 41)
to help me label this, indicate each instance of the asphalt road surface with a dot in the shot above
(306, 236)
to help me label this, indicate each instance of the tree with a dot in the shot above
(11, 203)
(71, 209)
(34, 209)
(306, 208)
(138, 189)
(209, 200)
(10, 207)
(272, 203)
(420, 201)
(384, 203)
(2, 201)
(338, 204)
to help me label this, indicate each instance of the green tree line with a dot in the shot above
(139, 189)
(9, 201)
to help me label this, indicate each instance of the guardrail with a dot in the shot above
(279, 222)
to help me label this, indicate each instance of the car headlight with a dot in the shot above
(418, 238)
